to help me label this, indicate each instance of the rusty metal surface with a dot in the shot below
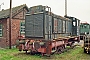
(47, 46)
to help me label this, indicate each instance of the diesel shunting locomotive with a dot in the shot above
(46, 32)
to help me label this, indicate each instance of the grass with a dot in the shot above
(73, 54)
(14, 54)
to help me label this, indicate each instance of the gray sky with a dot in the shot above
(76, 8)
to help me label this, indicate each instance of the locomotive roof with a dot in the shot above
(60, 17)
(54, 15)
(85, 23)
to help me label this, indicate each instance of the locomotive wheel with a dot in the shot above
(32, 52)
(62, 48)
(59, 50)
(72, 45)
